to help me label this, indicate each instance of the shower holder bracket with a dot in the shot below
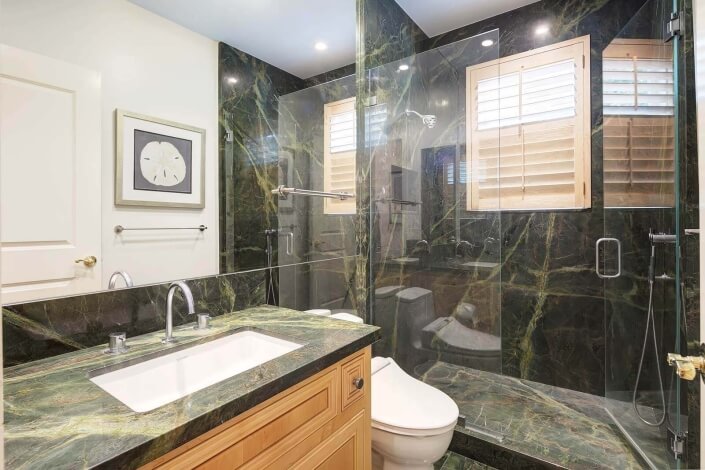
(677, 442)
(673, 27)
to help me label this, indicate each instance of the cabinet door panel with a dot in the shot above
(344, 450)
(267, 435)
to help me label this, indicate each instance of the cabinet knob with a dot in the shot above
(358, 383)
(88, 261)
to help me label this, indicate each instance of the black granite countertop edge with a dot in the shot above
(161, 445)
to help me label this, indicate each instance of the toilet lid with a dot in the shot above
(401, 401)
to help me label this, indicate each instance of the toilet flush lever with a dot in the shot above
(358, 383)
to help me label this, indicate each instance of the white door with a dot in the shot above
(49, 176)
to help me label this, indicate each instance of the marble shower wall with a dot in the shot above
(249, 155)
(272, 134)
(385, 34)
(552, 317)
(317, 259)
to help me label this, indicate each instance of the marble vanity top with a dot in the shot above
(56, 418)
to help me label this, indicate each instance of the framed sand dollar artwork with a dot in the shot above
(158, 163)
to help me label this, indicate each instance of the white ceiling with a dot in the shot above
(440, 16)
(283, 32)
(280, 32)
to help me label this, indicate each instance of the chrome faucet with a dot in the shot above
(489, 241)
(423, 244)
(188, 296)
(123, 274)
(463, 243)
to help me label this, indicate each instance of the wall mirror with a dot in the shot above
(116, 117)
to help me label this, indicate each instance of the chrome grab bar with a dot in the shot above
(283, 192)
(619, 258)
(120, 228)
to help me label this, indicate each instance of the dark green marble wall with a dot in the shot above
(317, 268)
(249, 155)
(558, 319)
(385, 33)
(552, 315)
(553, 323)
(36, 330)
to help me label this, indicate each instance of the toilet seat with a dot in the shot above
(412, 432)
(404, 405)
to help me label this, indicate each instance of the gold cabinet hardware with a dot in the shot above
(88, 261)
(686, 366)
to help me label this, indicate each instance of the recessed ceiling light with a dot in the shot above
(487, 42)
(232, 80)
(403, 67)
(541, 29)
(320, 46)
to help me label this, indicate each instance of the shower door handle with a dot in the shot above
(289, 242)
(619, 258)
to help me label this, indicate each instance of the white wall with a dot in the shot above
(150, 66)
(699, 33)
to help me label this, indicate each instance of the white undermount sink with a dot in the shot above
(155, 382)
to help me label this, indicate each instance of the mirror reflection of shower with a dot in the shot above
(429, 120)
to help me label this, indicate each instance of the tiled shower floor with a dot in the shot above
(548, 424)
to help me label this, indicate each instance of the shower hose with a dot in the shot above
(650, 328)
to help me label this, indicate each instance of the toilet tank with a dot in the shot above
(385, 316)
(415, 311)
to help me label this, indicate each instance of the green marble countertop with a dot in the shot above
(56, 418)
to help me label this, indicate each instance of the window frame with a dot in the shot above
(583, 131)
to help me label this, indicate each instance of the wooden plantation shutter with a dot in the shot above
(529, 130)
(638, 124)
(340, 142)
(339, 154)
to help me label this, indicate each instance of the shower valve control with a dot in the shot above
(687, 367)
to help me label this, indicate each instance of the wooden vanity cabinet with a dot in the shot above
(321, 423)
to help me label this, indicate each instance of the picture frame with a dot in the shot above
(158, 163)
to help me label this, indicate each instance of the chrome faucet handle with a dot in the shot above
(117, 343)
(202, 321)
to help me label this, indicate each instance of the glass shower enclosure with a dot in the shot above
(639, 257)
(435, 264)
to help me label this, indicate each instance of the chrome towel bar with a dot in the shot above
(283, 192)
(120, 228)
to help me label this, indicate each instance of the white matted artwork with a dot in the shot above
(158, 163)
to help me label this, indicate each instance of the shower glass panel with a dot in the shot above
(315, 235)
(641, 267)
(435, 264)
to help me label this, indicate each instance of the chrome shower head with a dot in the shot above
(429, 120)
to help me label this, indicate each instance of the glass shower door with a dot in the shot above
(639, 254)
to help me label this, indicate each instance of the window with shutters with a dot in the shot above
(638, 124)
(340, 141)
(339, 155)
(529, 130)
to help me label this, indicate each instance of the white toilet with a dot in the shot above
(412, 422)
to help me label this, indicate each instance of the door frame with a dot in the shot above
(699, 38)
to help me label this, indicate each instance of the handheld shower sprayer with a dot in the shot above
(429, 120)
